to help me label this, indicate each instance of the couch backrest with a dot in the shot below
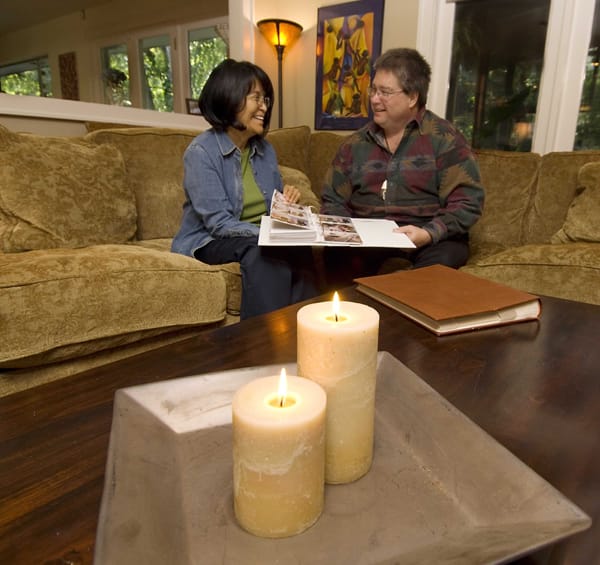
(509, 180)
(321, 151)
(556, 188)
(291, 146)
(154, 163)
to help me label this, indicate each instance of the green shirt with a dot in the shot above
(254, 202)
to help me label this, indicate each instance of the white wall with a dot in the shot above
(299, 64)
(81, 32)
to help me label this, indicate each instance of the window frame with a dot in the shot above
(180, 54)
(19, 67)
(567, 42)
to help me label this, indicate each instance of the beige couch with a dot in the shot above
(86, 224)
(85, 233)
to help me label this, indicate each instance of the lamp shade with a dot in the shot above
(280, 33)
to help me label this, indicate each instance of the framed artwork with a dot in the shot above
(348, 42)
(192, 106)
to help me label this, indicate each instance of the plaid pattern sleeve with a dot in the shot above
(431, 181)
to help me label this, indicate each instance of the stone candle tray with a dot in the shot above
(440, 490)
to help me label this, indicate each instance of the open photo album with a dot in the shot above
(295, 224)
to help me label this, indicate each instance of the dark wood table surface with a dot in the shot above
(534, 386)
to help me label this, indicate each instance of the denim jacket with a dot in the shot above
(213, 189)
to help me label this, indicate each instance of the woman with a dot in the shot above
(230, 172)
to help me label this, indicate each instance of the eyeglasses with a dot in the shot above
(385, 94)
(260, 99)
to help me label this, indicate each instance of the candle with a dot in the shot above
(338, 350)
(278, 455)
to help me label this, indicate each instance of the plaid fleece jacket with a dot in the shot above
(432, 179)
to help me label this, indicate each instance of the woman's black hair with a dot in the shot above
(225, 91)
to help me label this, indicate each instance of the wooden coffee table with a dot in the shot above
(533, 386)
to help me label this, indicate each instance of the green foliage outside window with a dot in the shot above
(116, 75)
(494, 85)
(31, 78)
(159, 83)
(588, 122)
(205, 55)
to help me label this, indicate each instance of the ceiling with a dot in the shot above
(16, 14)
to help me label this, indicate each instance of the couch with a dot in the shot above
(85, 234)
(86, 225)
(540, 228)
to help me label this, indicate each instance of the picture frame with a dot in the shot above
(192, 106)
(348, 43)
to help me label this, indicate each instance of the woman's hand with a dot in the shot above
(291, 193)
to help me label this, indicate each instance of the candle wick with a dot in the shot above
(336, 317)
(281, 402)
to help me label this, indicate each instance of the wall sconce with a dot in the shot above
(280, 34)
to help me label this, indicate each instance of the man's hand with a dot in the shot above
(418, 236)
(291, 193)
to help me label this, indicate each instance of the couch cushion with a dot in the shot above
(509, 180)
(555, 191)
(291, 146)
(62, 192)
(583, 216)
(321, 151)
(154, 161)
(569, 270)
(230, 271)
(51, 301)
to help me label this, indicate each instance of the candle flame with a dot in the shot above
(336, 305)
(282, 389)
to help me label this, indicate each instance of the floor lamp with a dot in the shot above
(280, 34)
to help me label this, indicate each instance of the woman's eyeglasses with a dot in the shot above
(260, 99)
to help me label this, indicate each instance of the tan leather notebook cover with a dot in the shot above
(447, 300)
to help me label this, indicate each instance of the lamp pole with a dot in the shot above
(280, 49)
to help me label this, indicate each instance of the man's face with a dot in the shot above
(392, 107)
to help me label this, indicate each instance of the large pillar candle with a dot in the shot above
(278, 456)
(339, 351)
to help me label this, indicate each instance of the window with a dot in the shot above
(160, 69)
(30, 77)
(495, 71)
(206, 49)
(157, 73)
(115, 74)
(529, 100)
(588, 120)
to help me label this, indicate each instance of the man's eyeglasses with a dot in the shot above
(385, 94)
(260, 99)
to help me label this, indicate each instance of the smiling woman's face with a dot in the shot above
(253, 112)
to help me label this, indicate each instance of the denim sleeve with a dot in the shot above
(215, 193)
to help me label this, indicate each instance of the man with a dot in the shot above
(407, 165)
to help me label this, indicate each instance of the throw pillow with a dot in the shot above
(62, 192)
(581, 223)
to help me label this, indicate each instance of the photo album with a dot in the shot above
(295, 224)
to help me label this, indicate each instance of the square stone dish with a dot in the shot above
(440, 490)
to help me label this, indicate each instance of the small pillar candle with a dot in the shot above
(278, 455)
(338, 350)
